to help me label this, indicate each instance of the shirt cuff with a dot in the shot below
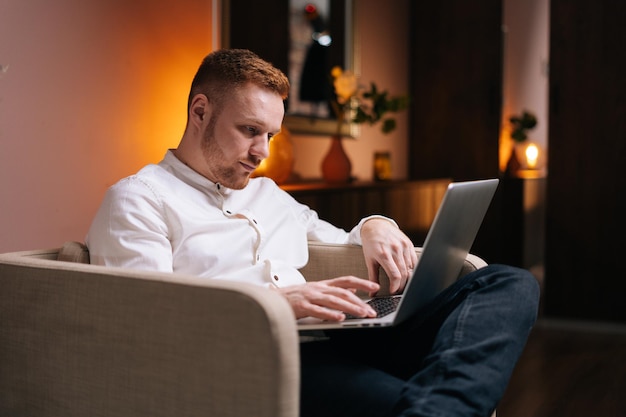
(355, 233)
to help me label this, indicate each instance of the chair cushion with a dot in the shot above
(74, 252)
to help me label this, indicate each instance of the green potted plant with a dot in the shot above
(355, 103)
(520, 125)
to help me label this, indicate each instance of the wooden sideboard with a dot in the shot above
(412, 204)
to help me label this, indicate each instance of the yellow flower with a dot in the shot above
(355, 104)
(345, 83)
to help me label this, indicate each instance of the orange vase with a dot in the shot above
(513, 165)
(336, 166)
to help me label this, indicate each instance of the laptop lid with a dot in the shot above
(447, 244)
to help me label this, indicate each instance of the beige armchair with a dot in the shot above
(85, 340)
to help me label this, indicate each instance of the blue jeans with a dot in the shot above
(455, 358)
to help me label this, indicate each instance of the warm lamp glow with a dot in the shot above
(532, 155)
(279, 164)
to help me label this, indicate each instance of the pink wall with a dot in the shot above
(92, 91)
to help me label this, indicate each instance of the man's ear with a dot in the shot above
(199, 109)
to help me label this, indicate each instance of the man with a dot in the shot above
(198, 212)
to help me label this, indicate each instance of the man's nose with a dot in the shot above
(261, 148)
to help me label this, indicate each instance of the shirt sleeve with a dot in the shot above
(130, 229)
(355, 233)
(319, 230)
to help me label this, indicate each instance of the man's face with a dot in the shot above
(236, 137)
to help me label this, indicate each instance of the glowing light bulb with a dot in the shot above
(532, 155)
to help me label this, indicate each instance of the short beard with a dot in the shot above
(213, 155)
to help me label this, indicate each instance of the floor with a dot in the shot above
(569, 370)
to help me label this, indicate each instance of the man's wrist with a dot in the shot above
(364, 220)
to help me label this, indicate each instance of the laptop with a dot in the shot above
(447, 244)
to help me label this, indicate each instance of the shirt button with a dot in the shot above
(258, 257)
(275, 277)
(228, 212)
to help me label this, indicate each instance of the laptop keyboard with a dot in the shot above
(381, 305)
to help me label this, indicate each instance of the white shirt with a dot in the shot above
(169, 218)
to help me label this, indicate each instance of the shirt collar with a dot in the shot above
(186, 174)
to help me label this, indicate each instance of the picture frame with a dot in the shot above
(267, 28)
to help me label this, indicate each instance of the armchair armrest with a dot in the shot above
(332, 260)
(81, 339)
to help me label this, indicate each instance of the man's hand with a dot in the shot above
(330, 299)
(387, 246)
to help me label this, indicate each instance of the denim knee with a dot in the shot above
(519, 287)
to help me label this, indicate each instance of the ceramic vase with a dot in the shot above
(336, 166)
(513, 165)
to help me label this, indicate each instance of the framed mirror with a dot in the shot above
(305, 39)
